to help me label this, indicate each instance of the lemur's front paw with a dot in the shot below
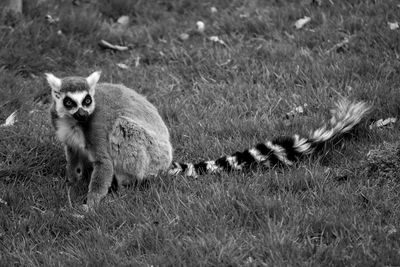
(93, 200)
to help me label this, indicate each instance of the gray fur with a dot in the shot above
(73, 84)
(124, 137)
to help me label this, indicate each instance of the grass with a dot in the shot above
(336, 209)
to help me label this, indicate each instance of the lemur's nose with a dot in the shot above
(81, 115)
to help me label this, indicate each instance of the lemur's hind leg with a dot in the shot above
(136, 153)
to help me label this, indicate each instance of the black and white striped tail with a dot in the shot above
(282, 150)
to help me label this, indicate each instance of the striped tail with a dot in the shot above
(284, 150)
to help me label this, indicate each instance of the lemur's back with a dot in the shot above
(116, 100)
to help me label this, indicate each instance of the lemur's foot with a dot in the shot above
(93, 200)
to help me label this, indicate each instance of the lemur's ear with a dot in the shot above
(55, 84)
(92, 81)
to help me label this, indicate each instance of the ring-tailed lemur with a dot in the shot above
(120, 134)
(282, 150)
(108, 131)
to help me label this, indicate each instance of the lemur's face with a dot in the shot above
(79, 105)
(74, 96)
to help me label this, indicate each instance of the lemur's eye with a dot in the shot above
(69, 103)
(87, 101)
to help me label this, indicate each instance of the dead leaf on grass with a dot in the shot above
(249, 260)
(123, 20)
(183, 36)
(122, 66)
(393, 25)
(106, 45)
(349, 88)
(137, 61)
(51, 20)
(339, 46)
(216, 39)
(2, 201)
(10, 120)
(200, 26)
(301, 22)
(296, 111)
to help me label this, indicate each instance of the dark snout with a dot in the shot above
(81, 115)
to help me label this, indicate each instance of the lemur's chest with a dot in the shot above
(70, 134)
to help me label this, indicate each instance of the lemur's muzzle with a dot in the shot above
(81, 115)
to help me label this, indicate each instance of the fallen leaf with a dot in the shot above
(137, 61)
(2, 201)
(393, 25)
(200, 26)
(10, 120)
(51, 20)
(392, 230)
(336, 47)
(123, 20)
(122, 66)
(301, 22)
(296, 96)
(249, 260)
(296, 110)
(216, 39)
(105, 44)
(290, 36)
(299, 110)
(184, 36)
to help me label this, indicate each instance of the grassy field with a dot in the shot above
(337, 209)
